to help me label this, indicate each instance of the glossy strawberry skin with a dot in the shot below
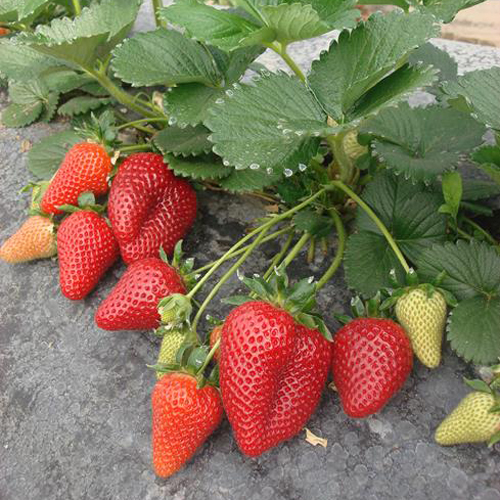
(87, 248)
(133, 302)
(272, 373)
(371, 361)
(149, 207)
(85, 167)
(183, 418)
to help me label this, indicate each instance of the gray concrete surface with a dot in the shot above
(74, 400)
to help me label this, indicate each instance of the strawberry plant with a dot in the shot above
(343, 162)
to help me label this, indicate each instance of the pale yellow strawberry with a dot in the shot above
(170, 344)
(423, 316)
(470, 422)
(35, 239)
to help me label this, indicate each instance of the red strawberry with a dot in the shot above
(87, 248)
(149, 207)
(215, 335)
(371, 361)
(133, 302)
(183, 418)
(85, 168)
(272, 373)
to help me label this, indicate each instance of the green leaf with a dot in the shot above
(446, 10)
(410, 215)
(478, 385)
(368, 261)
(481, 90)
(207, 24)
(360, 59)
(474, 329)
(90, 35)
(50, 107)
(64, 80)
(183, 141)
(488, 160)
(471, 268)
(338, 14)
(392, 89)
(404, 4)
(27, 7)
(189, 103)
(452, 192)
(163, 57)
(421, 143)
(429, 54)
(273, 124)
(21, 63)
(45, 156)
(293, 22)
(82, 104)
(312, 222)
(476, 189)
(198, 167)
(20, 115)
(244, 181)
(28, 92)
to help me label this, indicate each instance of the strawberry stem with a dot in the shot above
(373, 216)
(134, 148)
(77, 7)
(280, 49)
(270, 237)
(157, 5)
(296, 249)
(250, 235)
(143, 120)
(227, 275)
(279, 256)
(209, 357)
(341, 236)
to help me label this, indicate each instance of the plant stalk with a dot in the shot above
(478, 228)
(373, 216)
(133, 148)
(227, 275)
(341, 237)
(277, 258)
(209, 357)
(296, 249)
(157, 5)
(280, 49)
(77, 7)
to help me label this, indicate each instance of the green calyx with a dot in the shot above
(298, 299)
(100, 129)
(183, 266)
(86, 201)
(175, 311)
(413, 283)
(360, 308)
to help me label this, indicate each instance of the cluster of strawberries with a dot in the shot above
(272, 360)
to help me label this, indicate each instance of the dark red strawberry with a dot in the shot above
(85, 168)
(371, 361)
(133, 302)
(149, 207)
(87, 248)
(272, 373)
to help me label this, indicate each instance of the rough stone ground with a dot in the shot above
(74, 400)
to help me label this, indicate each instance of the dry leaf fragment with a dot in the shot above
(315, 440)
(25, 146)
(332, 386)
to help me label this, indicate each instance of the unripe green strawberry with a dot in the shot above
(170, 344)
(470, 422)
(423, 316)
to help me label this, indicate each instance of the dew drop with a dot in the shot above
(265, 72)
(310, 279)
(286, 131)
(172, 120)
(239, 166)
(240, 275)
(316, 134)
(226, 163)
(184, 125)
(210, 137)
(254, 166)
(299, 133)
(269, 170)
(279, 126)
(302, 167)
(229, 93)
(288, 172)
(219, 101)
(236, 86)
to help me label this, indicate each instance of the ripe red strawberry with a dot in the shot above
(86, 248)
(85, 168)
(149, 207)
(183, 418)
(133, 302)
(371, 361)
(35, 239)
(272, 373)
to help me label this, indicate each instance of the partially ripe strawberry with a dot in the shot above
(215, 335)
(470, 422)
(85, 168)
(184, 416)
(133, 302)
(423, 315)
(35, 239)
(86, 248)
(371, 361)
